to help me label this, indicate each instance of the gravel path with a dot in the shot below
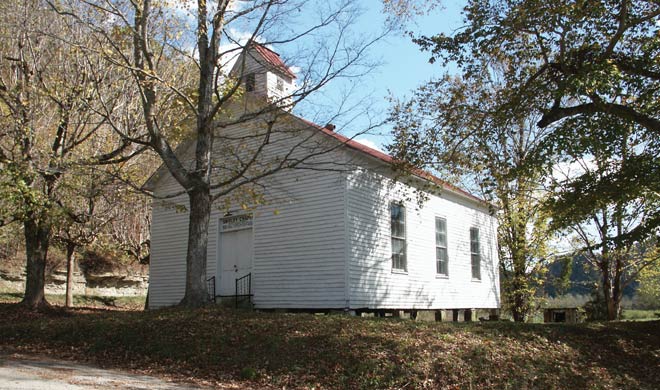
(50, 374)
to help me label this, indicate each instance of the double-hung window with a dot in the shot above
(398, 233)
(475, 253)
(249, 82)
(441, 257)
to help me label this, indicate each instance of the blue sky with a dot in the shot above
(404, 67)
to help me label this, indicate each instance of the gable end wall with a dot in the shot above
(299, 242)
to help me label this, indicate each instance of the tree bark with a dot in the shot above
(146, 301)
(617, 291)
(518, 310)
(37, 236)
(610, 303)
(70, 257)
(518, 286)
(196, 294)
(200, 191)
(616, 307)
(617, 110)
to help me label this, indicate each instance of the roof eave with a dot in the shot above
(386, 159)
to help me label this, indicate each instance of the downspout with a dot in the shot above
(347, 246)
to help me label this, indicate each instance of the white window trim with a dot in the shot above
(437, 274)
(402, 271)
(477, 253)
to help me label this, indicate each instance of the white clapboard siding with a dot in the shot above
(287, 86)
(260, 74)
(299, 233)
(373, 283)
(321, 235)
(318, 221)
(169, 237)
(265, 77)
(300, 246)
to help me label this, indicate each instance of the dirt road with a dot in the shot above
(44, 373)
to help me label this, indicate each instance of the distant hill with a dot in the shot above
(582, 280)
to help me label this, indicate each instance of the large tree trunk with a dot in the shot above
(37, 236)
(617, 289)
(146, 300)
(519, 286)
(616, 307)
(200, 195)
(198, 227)
(616, 293)
(610, 300)
(520, 304)
(517, 298)
(611, 308)
(70, 254)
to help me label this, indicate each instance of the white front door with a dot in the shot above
(235, 260)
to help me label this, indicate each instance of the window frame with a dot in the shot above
(279, 84)
(250, 82)
(402, 239)
(438, 273)
(475, 254)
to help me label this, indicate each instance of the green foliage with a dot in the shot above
(18, 198)
(610, 184)
(452, 126)
(640, 314)
(586, 73)
(633, 303)
(401, 11)
(596, 308)
(567, 300)
(86, 301)
(58, 104)
(563, 281)
(649, 282)
(589, 70)
(248, 373)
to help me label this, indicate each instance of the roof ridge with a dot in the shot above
(273, 58)
(255, 43)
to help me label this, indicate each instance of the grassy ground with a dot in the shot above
(637, 315)
(89, 301)
(222, 347)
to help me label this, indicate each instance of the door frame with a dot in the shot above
(221, 229)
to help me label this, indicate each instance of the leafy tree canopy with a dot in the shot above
(450, 125)
(592, 72)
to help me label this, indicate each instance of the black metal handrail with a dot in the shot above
(210, 286)
(244, 288)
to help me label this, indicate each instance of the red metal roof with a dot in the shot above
(273, 59)
(351, 143)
